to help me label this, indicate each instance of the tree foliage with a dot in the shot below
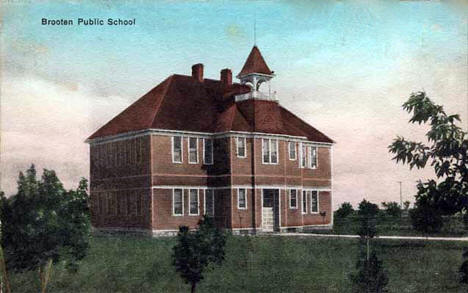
(392, 209)
(371, 276)
(367, 213)
(345, 210)
(194, 251)
(446, 151)
(43, 224)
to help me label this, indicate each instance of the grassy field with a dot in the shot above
(255, 264)
(395, 226)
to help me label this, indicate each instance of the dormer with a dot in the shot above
(255, 73)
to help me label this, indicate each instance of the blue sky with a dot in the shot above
(344, 66)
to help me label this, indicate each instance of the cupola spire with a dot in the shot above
(254, 73)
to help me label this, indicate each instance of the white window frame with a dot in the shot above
(304, 210)
(181, 149)
(173, 202)
(290, 197)
(204, 153)
(295, 150)
(310, 157)
(238, 198)
(213, 201)
(269, 142)
(318, 206)
(188, 148)
(238, 138)
(190, 202)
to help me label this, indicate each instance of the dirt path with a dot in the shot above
(378, 237)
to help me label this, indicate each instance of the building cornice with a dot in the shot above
(155, 131)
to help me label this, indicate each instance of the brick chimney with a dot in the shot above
(197, 72)
(226, 77)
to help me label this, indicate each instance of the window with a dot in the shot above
(241, 149)
(313, 157)
(207, 151)
(241, 198)
(176, 149)
(193, 150)
(303, 155)
(193, 202)
(314, 202)
(293, 199)
(304, 202)
(270, 151)
(177, 202)
(209, 202)
(292, 150)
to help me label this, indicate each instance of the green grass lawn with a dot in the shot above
(395, 226)
(255, 264)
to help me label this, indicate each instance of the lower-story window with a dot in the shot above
(314, 202)
(209, 202)
(293, 199)
(304, 202)
(177, 202)
(241, 198)
(193, 202)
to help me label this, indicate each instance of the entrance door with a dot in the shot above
(270, 210)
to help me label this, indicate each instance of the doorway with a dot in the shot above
(270, 210)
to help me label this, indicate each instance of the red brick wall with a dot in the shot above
(119, 171)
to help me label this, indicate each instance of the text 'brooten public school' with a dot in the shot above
(89, 22)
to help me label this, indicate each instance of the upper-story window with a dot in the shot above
(303, 156)
(176, 149)
(314, 202)
(193, 150)
(292, 150)
(312, 157)
(241, 148)
(270, 151)
(207, 151)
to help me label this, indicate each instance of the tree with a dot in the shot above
(367, 217)
(392, 209)
(447, 152)
(345, 210)
(464, 267)
(44, 224)
(370, 277)
(426, 218)
(194, 251)
(406, 205)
